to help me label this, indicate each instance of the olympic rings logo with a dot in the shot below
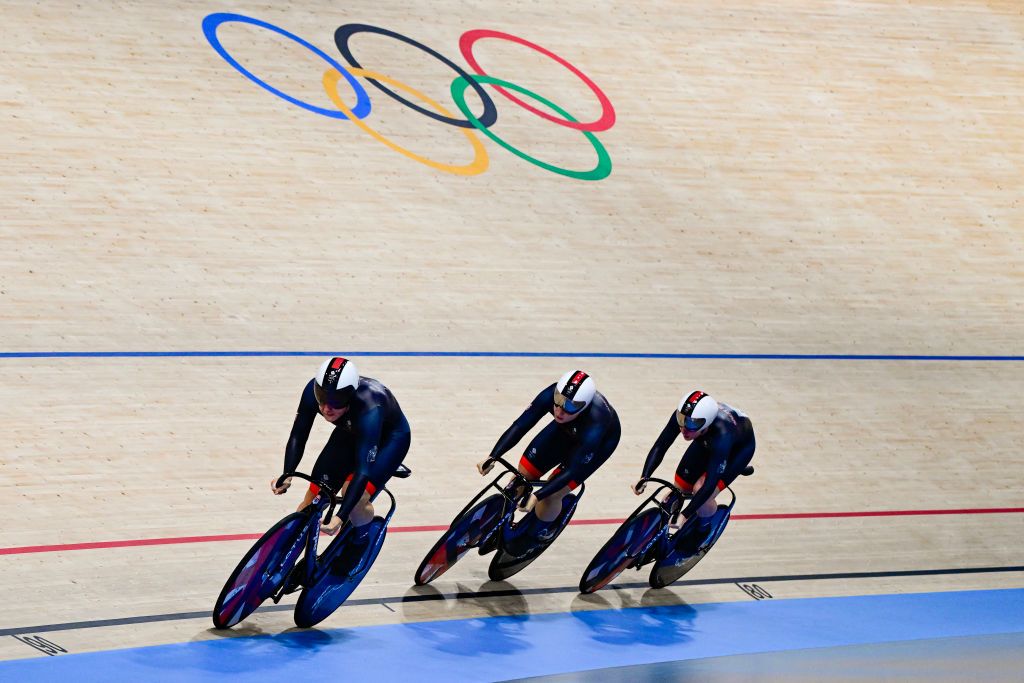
(469, 126)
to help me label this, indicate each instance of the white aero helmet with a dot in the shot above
(696, 411)
(574, 391)
(336, 382)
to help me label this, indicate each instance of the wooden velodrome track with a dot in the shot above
(814, 191)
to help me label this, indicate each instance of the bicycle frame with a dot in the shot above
(663, 533)
(510, 504)
(666, 514)
(311, 535)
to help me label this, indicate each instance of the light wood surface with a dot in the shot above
(789, 178)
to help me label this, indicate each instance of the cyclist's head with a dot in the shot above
(335, 383)
(574, 391)
(696, 412)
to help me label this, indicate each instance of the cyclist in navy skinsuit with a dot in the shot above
(584, 433)
(370, 439)
(722, 446)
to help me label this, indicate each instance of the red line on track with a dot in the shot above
(26, 549)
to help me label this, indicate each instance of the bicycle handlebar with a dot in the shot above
(323, 487)
(668, 484)
(507, 465)
(516, 474)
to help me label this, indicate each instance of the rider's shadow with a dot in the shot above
(501, 632)
(238, 652)
(312, 639)
(664, 618)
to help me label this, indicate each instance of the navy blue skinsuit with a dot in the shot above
(723, 452)
(367, 445)
(577, 448)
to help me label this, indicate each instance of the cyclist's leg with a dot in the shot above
(394, 446)
(738, 461)
(708, 509)
(362, 513)
(551, 508)
(335, 462)
(333, 467)
(392, 451)
(542, 455)
(543, 452)
(690, 477)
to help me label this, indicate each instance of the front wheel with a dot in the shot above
(262, 570)
(465, 533)
(626, 545)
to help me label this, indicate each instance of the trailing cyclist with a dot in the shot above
(722, 446)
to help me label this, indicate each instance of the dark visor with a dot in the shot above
(334, 399)
(688, 423)
(568, 405)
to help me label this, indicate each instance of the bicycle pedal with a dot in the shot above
(293, 582)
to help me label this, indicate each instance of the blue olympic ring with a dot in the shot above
(213, 21)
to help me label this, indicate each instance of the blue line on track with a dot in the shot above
(504, 647)
(503, 354)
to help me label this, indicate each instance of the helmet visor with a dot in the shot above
(568, 405)
(690, 424)
(334, 399)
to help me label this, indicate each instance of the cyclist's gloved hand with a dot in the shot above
(639, 487)
(332, 528)
(527, 503)
(484, 466)
(284, 486)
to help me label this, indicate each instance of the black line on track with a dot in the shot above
(513, 592)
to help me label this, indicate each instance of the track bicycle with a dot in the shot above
(646, 537)
(272, 567)
(485, 523)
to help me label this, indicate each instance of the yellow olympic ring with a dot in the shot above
(480, 160)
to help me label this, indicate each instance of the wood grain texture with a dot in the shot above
(789, 177)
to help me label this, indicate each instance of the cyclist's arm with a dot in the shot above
(661, 445)
(304, 417)
(370, 426)
(540, 406)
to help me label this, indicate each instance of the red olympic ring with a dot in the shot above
(607, 120)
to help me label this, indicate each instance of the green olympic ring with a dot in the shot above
(604, 160)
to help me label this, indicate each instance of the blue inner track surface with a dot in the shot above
(500, 648)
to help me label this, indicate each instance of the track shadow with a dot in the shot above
(451, 631)
(666, 618)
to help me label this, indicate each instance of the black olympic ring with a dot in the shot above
(487, 119)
